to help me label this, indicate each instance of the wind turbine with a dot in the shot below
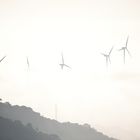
(107, 56)
(2, 59)
(63, 64)
(124, 49)
(28, 64)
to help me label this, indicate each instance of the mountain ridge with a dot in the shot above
(66, 130)
(15, 130)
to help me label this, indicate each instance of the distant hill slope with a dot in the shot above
(66, 131)
(10, 130)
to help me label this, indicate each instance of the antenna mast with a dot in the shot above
(56, 112)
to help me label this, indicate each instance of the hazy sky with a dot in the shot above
(81, 29)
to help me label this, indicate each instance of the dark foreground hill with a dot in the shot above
(10, 130)
(66, 131)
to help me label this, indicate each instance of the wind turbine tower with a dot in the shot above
(28, 64)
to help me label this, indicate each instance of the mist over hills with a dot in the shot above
(65, 131)
(15, 130)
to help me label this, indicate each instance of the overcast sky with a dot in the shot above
(108, 99)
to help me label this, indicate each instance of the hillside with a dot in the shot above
(66, 131)
(10, 130)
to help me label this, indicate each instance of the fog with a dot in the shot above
(107, 98)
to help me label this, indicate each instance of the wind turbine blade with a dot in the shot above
(67, 66)
(2, 59)
(121, 49)
(128, 52)
(126, 42)
(111, 50)
(103, 54)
